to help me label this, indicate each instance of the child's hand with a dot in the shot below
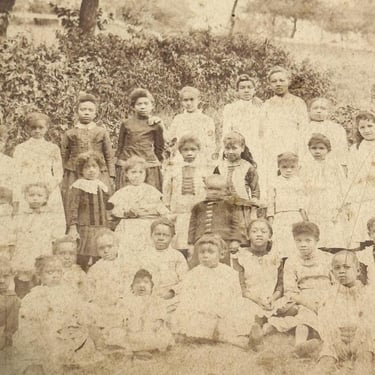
(73, 232)
(154, 120)
(267, 303)
(234, 247)
(168, 294)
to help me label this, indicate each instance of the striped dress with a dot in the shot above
(87, 209)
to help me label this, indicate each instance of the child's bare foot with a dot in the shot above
(143, 355)
(307, 348)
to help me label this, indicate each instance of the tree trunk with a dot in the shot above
(294, 27)
(233, 17)
(87, 16)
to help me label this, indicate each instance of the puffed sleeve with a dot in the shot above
(108, 154)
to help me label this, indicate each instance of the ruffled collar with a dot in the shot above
(89, 126)
(90, 186)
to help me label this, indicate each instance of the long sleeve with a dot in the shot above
(57, 166)
(193, 226)
(290, 278)
(65, 149)
(159, 143)
(121, 140)
(252, 181)
(271, 198)
(167, 188)
(73, 206)
(108, 155)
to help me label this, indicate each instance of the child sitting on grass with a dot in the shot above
(142, 325)
(306, 280)
(346, 319)
(9, 304)
(211, 303)
(66, 249)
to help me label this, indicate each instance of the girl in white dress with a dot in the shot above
(39, 161)
(136, 205)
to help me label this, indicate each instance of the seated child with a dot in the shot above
(141, 326)
(325, 185)
(136, 204)
(306, 280)
(286, 202)
(167, 266)
(346, 319)
(7, 230)
(261, 274)
(184, 186)
(65, 249)
(193, 121)
(9, 304)
(108, 278)
(367, 256)
(36, 228)
(211, 302)
(53, 332)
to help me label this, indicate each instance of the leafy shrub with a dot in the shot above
(49, 78)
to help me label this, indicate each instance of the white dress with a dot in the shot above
(361, 191)
(326, 186)
(39, 161)
(286, 197)
(134, 234)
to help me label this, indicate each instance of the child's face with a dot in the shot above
(107, 248)
(190, 102)
(232, 151)
(36, 196)
(318, 151)
(161, 237)
(259, 234)
(319, 110)
(367, 129)
(246, 90)
(189, 151)
(142, 286)
(344, 270)
(143, 107)
(86, 112)
(288, 169)
(306, 244)
(38, 129)
(279, 83)
(6, 277)
(67, 253)
(216, 190)
(51, 274)
(136, 175)
(209, 255)
(91, 170)
(371, 232)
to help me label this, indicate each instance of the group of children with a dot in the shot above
(178, 236)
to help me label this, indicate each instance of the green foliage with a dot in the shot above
(49, 78)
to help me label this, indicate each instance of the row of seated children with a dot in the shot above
(135, 306)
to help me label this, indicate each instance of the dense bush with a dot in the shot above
(49, 78)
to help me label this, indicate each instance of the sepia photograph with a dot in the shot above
(187, 187)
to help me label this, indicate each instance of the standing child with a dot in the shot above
(243, 114)
(361, 193)
(306, 280)
(211, 303)
(37, 227)
(241, 176)
(283, 120)
(193, 121)
(53, 330)
(142, 325)
(346, 320)
(137, 204)
(141, 136)
(286, 202)
(86, 207)
(184, 186)
(9, 304)
(86, 136)
(215, 215)
(39, 161)
(167, 266)
(326, 186)
(65, 248)
(319, 111)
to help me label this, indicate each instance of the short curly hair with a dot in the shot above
(140, 93)
(86, 157)
(306, 227)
